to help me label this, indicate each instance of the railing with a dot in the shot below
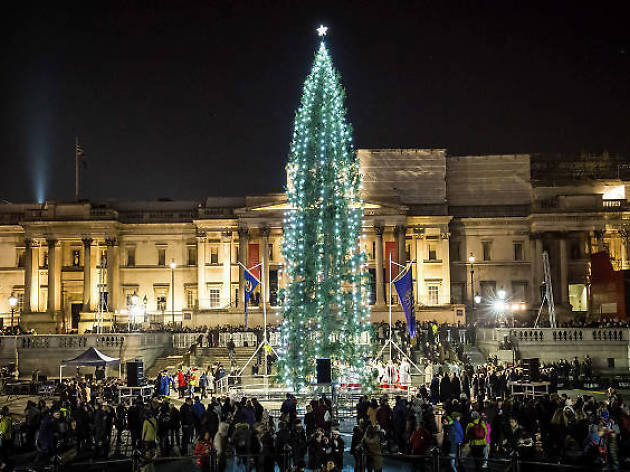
(70, 341)
(554, 335)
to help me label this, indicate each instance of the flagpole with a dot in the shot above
(390, 305)
(76, 168)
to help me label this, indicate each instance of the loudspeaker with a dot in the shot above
(322, 368)
(531, 369)
(135, 373)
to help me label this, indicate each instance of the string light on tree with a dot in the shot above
(325, 307)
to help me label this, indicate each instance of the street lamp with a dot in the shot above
(173, 265)
(12, 302)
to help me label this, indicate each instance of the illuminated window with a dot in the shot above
(433, 294)
(432, 251)
(76, 257)
(215, 298)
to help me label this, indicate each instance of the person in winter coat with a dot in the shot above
(419, 440)
(181, 383)
(198, 410)
(221, 443)
(298, 442)
(203, 448)
(454, 436)
(149, 431)
(445, 388)
(372, 446)
(338, 446)
(434, 389)
(476, 433)
(356, 448)
(187, 418)
(595, 445)
(384, 416)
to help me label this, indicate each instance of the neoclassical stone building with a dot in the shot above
(180, 258)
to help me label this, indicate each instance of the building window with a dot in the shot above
(192, 255)
(456, 254)
(458, 292)
(518, 251)
(433, 293)
(519, 291)
(373, 255)
(76, 257)
(578, 297)
(215, 298)
(214, 255)
(611, 362)
(161, 256)
(45, 259)
(20, 258)
(432, 251)
(271, 252)
(487, 250)
(191, 298)
(131, 256)
(20, 301)
(103, 262)
(488, 289)
(160, 302)
(407, 251)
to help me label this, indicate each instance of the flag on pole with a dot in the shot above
(251, 282)
(81, 154)
(404, 287)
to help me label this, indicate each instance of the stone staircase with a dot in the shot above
(475, 354)
(170, 363)
(206, 356)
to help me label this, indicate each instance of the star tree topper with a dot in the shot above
(322, 30)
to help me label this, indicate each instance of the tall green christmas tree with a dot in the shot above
(325, 307)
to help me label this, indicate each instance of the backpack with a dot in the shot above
(477, 431)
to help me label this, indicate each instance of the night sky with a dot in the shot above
(189, 99)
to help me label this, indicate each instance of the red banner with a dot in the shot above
(390, 254)
(253, 258)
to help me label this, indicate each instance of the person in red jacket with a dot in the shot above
(419, 441)
(181, 383)
(203, 448)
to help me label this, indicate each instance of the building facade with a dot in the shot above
(469, 225)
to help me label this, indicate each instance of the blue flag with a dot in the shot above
(404, 287)
(251, 283)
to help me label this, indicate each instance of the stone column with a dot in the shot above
(202, 290)
(54, 290)
(31, 279)
(420, 267)
(226, 259)
(87, 274)
(401, 231)
(112, 274)
(564, 270)
(446, 268)
(380, 295)
(624, 235)
(539, 274)
(243, 247)
(264, 232)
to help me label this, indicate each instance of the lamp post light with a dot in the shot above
(144, 303)
(12, 302)
(173, 266)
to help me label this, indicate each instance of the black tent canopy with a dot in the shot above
(90, 358)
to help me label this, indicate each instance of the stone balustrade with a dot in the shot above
(608, 347)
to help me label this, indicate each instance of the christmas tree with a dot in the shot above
(325, 307)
